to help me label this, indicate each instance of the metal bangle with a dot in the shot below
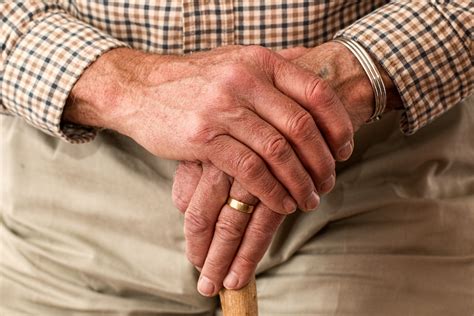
(375, 78)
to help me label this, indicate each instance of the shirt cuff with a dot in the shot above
(43, 67)
(427, 58)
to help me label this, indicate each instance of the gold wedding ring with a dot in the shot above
(240, 206)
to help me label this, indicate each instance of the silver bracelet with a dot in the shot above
(372, 72)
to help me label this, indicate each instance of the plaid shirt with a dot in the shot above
(425, 46)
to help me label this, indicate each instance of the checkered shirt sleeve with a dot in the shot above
(426, 48)
(44, 50)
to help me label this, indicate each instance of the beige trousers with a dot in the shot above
(91, 230)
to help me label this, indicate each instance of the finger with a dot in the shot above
(258, 236)
(333, 120)
(319, 99)
(186, 179)
(229, 229)
(298, 126)
(277, 152)
(292, 53)
(202, 213)
(237, 160)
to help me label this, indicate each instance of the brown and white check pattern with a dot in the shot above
(425, 46)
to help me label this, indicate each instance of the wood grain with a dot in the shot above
(241, 302)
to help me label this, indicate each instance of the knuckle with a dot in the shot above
(265, 58)
(239, 114)
(201, 131)
(234, 73)
(342, 134)
(229, 231)
(327, 167)
(318, 91)
(246, 262)
(314, 88)
(193, 257)
(277, 148)
(257, 51)
(249, 166)
(330, 163)
(304, 186)
(180, 204)
(220, 98)
(260, 231)
(216, 179)
(272, 190)
(216, 266)
(196, 224)
(302, 126)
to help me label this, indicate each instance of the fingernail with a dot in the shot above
(345, 151)
(327, 185)
(312, 202)
(205, 286)
(231, 281)
(289, 205)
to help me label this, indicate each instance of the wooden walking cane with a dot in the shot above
(241, 302)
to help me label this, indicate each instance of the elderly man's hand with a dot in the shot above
(244, 110)
(224, 243)
(215, 232)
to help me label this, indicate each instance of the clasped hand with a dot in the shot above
(296, 125)
(262, 127)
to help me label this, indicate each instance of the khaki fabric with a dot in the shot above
(91, 230)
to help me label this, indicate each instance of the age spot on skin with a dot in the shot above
(324, 73)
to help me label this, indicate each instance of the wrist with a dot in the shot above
(99, 97)
(342, 70)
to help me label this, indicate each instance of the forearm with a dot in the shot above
(100, 95)
(44, 51)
